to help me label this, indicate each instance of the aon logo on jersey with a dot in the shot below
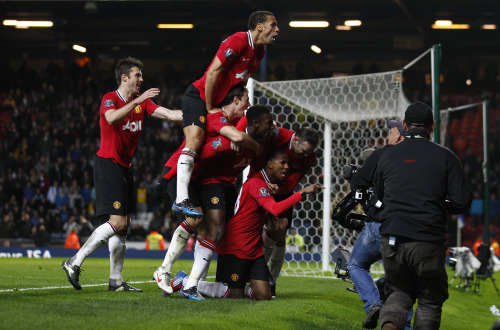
(132, 126)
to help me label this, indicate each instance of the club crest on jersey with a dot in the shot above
(138, 109)
(223, 120)
(263, 192)
(217, 143)
(117, 205)
(235, 277)
(229, 53)
(276, 131)
(203, 119)
(108, 103)
(215, 200)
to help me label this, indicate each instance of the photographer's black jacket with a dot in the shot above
(364, 178)
(418, 181)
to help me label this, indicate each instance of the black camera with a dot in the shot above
(342, 212)
(349, 171)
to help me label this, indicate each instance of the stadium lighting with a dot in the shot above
(447, 24)
(27, 24)
(10, 22)
(355, 22)
(343, 28)
(309, 24)
(489, 27)
(316, 49)
(175, 26)
(79, 48)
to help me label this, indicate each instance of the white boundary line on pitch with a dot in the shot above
(70, 287)
(65, 287)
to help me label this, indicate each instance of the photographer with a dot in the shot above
(366, 251)
(418, 182)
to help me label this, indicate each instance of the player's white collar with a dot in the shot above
(120, 95)
(250, 41)
(266, 178)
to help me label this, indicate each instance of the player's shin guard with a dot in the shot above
(117, 250)
(202, 261)
(184, 169)
(178, 244)
(98, 238)
(213, 290)
(269, 244)
(276, 260)
(196, 249)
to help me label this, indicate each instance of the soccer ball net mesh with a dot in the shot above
(357, 109)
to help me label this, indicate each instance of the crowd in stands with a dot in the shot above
(49, 135)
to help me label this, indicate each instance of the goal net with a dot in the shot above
(350, 114)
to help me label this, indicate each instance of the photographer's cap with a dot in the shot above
(398, 124)
(418, 114)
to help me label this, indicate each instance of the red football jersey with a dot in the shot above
(243, 236)
(215, 122)
(240, 57)
(118, 142)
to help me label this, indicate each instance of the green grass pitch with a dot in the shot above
(35, 294)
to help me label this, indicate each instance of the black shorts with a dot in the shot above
(172, 189)
(114, 188)
(236, 272)
(194, 109)
(287, 214)
(215, 196)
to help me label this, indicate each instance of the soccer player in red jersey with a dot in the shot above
(236, 60)
(121, 118)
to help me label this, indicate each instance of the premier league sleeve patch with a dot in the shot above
(229, 54)
(263, 192)
(108, 103)
(216, 143)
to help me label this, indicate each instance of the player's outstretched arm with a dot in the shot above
(311, 189)
(167, 114)
(241, 138)
(213, 74)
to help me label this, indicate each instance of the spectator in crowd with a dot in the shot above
(7, 226)
(155, 241)
(72, 241)
(138, 233)
(477, 209)
(295, 242)
(41, 236)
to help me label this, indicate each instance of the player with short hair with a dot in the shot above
(121, 118)
(236, 60)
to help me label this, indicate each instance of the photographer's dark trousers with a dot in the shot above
(414, 270)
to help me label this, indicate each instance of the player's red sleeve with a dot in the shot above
(231, 49)
(261, 194)
(242, 124)
(213, 147)
(276, 208)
